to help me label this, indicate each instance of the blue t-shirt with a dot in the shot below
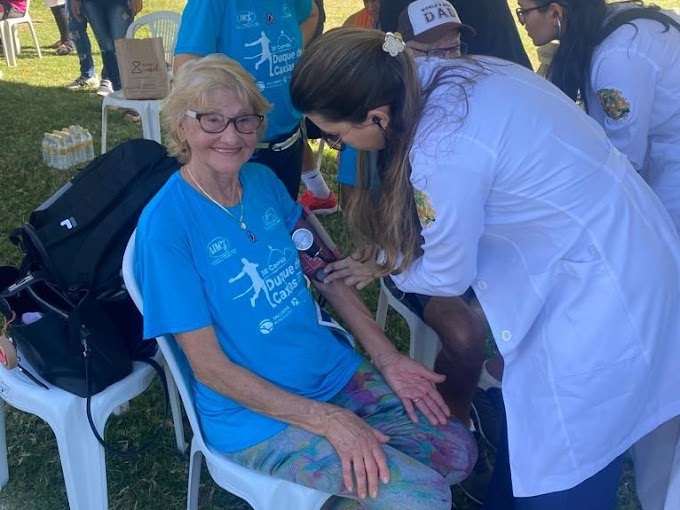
(263, 36)
(196, 267)
(348, 167)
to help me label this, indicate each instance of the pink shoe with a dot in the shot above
(320, 206)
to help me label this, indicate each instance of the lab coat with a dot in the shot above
(637, 67)
(573, 258)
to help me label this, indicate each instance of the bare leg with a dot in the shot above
(318, 197)
(308, 159)
(461, 332)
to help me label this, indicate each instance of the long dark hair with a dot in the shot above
(584, 30)
(570, 66)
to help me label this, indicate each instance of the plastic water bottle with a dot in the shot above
(46, 149)
(70, 144)
(89, 146)
(78, 134)
(51, 150)
(61, 160)
(68, 147)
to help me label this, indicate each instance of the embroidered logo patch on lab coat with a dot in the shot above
(426, 214)
(613, 103)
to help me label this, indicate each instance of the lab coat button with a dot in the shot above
(481, 285)
(506, 335)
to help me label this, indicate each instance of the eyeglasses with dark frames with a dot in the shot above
(335, 141)
(520, 12)
(214, 123)
(451, 51)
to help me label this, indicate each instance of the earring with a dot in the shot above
(184, 147)
(558, 26)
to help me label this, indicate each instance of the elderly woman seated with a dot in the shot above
(275, 390)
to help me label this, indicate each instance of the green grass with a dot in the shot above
(33, 101)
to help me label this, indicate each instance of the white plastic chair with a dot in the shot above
(9, 36)
(424, 342)
(262, 492)
(82, 457)
(163, 24)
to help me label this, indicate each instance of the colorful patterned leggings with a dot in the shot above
(424, 460)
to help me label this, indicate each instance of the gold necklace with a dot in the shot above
(239, 220)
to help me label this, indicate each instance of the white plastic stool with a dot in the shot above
(82, 457)
(163, 24)
(424, 342)
(10, 39)
(149, 112)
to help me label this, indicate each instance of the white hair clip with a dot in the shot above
(393, 44)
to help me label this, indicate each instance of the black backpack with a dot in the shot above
(86, 331)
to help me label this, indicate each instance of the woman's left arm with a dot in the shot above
(308, 26)
(624, 84)
(136, 6)
(413, 383)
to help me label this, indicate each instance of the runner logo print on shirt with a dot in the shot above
(278, 56)
(273, 285)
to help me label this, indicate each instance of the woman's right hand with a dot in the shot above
(359, 447)
(351, 271)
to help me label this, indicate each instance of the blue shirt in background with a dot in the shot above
(263, 36)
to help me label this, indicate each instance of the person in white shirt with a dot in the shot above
(490, 177)
(624, 59)
(433, 29)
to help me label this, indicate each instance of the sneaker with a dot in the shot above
(105, 88)
(320, 206)
(55, 45)
(82, 82)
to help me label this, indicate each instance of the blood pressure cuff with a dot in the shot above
(314, 245)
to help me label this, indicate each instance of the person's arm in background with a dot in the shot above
(199, 31)
(308, 25)
(624, 82)
(76, 10)
(135, 7)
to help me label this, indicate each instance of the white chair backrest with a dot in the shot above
(172, 352)
(163, 24)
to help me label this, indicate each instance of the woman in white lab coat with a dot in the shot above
(624, 58)
(490, 177)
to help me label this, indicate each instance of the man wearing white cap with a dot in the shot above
(497, 34)
(433, 29)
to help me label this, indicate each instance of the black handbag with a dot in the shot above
(77, 346)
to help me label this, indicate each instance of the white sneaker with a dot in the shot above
(105, 88)
(82, 82)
